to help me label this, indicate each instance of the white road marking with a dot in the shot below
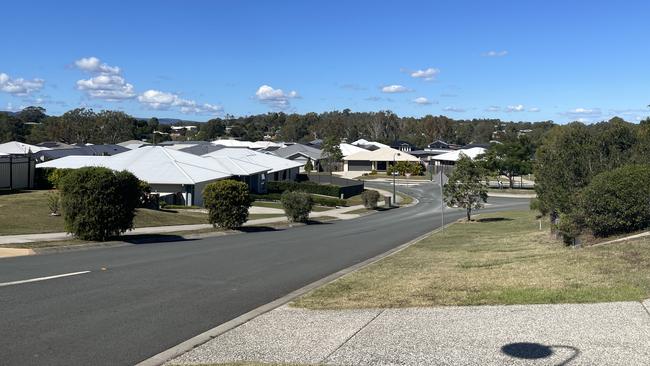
(42, 278)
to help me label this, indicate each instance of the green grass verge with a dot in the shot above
(27, 213)
(500, 259)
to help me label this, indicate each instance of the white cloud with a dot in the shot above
(493, 108)
(454, 109)
(427, 74)
(106, 87)
(276, 98)
(495, 53)
(422, 101)
(155, 99)
(94, 65)
(106, 84)
(515, 108)
(395, 89)
(19, 86)
(583, 114)
(534, 109)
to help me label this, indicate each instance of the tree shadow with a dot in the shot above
(151, 238)
(535, 351)
(493, 219)
(256, 229)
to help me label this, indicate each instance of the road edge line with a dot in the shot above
(196, 341)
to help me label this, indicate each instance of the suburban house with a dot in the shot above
(257, 145)
(379, 160)
(402, 145)
(19, 148)
(254, 175)
(178, 177)
(452, 157)
(280, 168)
(301, 154)
(369, 145)
(55, 145)
(349, 149)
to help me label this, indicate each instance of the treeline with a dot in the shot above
(594, 179)
(81, 125)
(33, 125)
(383, 126)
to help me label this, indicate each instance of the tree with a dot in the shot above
(331, 152)
(32, 114)
(227, 202)
(511, 158)
(466, 187)
(309, 166)
(297, 205)
(98, 203)
(617, 201)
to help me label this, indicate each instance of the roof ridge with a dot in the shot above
(176, 163)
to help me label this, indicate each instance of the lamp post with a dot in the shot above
(394, 163)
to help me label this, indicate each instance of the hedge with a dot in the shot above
(318, 200)
(309, 187)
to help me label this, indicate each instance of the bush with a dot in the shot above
(403, 167)
(54, 202)
(98, 203)
(41, 180)
(309, 166)
(309, 187)
(617, 201)
(373, 172)
(297, 205)
(145, 194)
(227, 202)
(318, 200)
(370, 199)
(55, 176)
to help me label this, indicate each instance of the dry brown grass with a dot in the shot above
(501, 259)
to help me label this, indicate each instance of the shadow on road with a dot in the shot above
(152, 238)
(534, 351)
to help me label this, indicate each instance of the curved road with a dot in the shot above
(139, 300)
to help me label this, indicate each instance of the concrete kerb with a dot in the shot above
(204, 337)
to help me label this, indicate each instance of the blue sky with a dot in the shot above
(514, 60)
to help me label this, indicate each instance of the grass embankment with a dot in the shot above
(27, 213)
(500, 259)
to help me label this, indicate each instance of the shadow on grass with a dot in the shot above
(493, 219)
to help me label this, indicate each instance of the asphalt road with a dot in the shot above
(139, 300)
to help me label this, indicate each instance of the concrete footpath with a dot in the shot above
(566, 334)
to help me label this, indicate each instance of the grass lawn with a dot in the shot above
(501, 259)
(27, 213)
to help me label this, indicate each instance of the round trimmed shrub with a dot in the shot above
(297, 205)
(617, 201)
(98, 203)
(227, 202)
(370, 199)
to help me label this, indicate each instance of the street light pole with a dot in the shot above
(393, 172)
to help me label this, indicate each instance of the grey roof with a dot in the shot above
(201, 149)
(292, 150)
(92, 150)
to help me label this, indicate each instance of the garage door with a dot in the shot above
(359, 165)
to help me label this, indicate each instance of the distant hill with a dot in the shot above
(173, 121)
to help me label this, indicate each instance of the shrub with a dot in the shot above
(570, 227)
(55, 176)
(297, 205)
(41, 180)
(54, 202)
(403, 167)
(318, 200)
(98, 203)
(309, 187)
(309, 166)
(617, 201)
(370, 199)
(145, 193)
(373, 172)
(227, 202)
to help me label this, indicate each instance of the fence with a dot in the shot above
(16, 172)
(349, 187)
